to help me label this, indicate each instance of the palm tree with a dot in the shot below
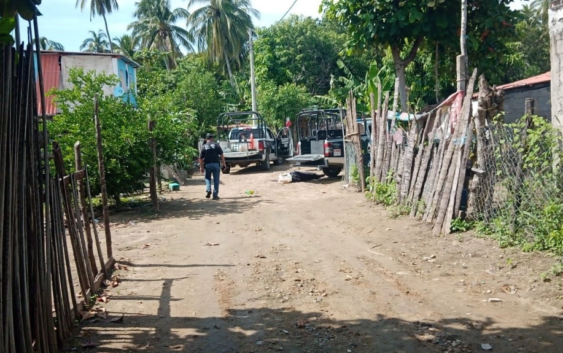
(101, 8)
(126, 45)
(156, 27)
(47, 44)
(221, 28)
(97, 43)
(542, 9)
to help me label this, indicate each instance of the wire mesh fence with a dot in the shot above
(517, 190)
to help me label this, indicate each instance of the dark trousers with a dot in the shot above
(215, 170)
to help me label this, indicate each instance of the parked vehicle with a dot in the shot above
(245, 140)
(320, 135)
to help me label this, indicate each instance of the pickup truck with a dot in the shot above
(245, 140)
(320, 135)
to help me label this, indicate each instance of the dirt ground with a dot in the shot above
(314, 267)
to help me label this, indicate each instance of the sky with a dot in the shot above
(64, 23)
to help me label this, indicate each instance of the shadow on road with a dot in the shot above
(192, 209)
(259, 329)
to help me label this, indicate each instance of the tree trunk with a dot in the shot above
(400, 66)
(401, 75)
(476, 195)
(436, 59)
(107, 32)
(231, 77)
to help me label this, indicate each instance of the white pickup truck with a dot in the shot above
(246, 140)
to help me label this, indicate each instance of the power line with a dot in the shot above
(281, 19)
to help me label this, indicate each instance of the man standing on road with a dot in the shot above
(209, 159)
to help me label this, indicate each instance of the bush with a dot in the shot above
(528, 187)
(382, 193)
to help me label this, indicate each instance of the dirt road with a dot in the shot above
(313, 267)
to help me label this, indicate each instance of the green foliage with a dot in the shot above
(461, 225)
(303, 51)
(220, 27)
(175, 131)
(189, 88)
(156, 26)
(276, 103)
(127, 155)
(532, 215)
(383, 193)
(124, 131)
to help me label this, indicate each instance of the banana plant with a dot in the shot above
(341, 86)
(9, 9)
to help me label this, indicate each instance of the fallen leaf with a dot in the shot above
(118, 320)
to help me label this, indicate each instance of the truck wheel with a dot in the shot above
(266, 164)
(332, 172)
(279, 161)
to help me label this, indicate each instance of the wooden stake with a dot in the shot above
(84, 208)
(374, 128)
(103, 187)
(461, 130)
(153, 170)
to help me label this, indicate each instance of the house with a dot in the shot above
(516, 93)
(56, 67)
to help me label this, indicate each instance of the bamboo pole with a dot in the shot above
(382, 118)
(103, 187)
(374, 128)
(153, 170)
(84, 208)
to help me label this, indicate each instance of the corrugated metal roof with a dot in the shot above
(530, 81)
(51, 79)
(113, 55)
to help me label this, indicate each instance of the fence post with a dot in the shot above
(529, 106)
(84, 208)
(102, 177)
(153, 170)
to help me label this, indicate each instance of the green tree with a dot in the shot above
(221, 27)
(97, 43)
(276, 103)
(190, 86)
(542, 9)
(127, 45)
(100, 8)
(47, 44)
(404, 27)
(303, 51)
(175, 131)
(124, 131)
(156, 27)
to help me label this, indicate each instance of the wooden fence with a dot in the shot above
(38, 301)
(427, 166)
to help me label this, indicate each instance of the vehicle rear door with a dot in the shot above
(284, 143)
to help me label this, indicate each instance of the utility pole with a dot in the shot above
(462, 60)
(252, 75)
